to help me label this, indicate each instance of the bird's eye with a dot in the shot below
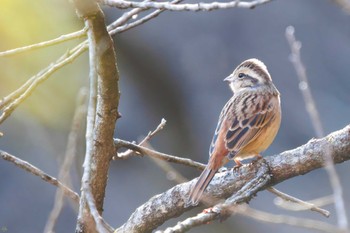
(241, 75)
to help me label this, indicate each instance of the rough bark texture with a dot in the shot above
(103, 65)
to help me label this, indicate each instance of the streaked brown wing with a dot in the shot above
(246, 127)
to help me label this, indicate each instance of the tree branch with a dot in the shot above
(36, 171)
(286, 165)
(122, 4)
(102, 116)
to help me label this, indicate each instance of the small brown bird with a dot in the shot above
(248, 123)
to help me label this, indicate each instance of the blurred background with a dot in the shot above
(171, 67)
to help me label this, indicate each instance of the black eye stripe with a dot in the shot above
(245, 76)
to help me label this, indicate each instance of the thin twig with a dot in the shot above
(37, 172)
(58, 40)
(294, 57)
(122, 4)
(128, 153)
(166, 157)
(322, 201)
(114, 29)
(28, 89)
(125, 17)
(305, 204)
(72, 144)
(288, 220)
(311, 107)
(171, 173)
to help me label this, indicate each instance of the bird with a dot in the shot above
(248, 122)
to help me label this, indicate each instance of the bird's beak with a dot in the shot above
(229, 78)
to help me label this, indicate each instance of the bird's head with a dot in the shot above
(251, 73)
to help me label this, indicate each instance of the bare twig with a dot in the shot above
(311, 107)
(125, 17)
(288, 220)
(154, 132)
(286, 165)
(128, 153)
(58, 40)
(71, 150)
(294, 57)
(69, 56)
(37, 172)
(170, 158)
(113, 29)
(15, 99)
(322, 201)
(122, 4)
(172, 174)
(305, 204)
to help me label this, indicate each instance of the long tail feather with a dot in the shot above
(202, 183)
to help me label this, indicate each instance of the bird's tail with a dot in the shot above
(202, 182)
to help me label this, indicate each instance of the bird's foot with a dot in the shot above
(237, 166)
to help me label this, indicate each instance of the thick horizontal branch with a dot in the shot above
(122, 4)
(286, 165)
